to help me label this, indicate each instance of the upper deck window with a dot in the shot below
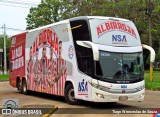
(80, 30)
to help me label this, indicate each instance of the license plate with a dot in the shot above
(123, 98)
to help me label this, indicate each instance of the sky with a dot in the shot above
(13, 14)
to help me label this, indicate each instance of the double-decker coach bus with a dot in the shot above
(90, 58)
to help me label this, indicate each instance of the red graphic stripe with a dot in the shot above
(82, 94)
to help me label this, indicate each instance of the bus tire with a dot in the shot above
(24, 87)
(69, 95)
(19, 86)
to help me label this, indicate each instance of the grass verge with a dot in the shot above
(155, 84)
(4, 77)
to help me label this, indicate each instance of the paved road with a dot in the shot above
(152, 100)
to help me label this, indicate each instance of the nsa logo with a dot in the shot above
(119, 39)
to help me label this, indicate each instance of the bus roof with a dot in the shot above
(50, 25)
(76, 18)
(98, 17)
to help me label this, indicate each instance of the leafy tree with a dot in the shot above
(2, 41)
(158, 57)
(47, 12)
(7, 47)
(71, 8)
(156, 25)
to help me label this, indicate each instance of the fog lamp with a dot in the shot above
(142, 95)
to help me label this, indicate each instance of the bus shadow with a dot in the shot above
(106, 105)
(100, 105)
(47, 96)
(84, 107)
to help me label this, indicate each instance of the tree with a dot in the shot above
(47, 12)
(7, 46)
(2, 41)
(156, 25)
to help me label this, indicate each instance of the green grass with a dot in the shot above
(4, 77)
(155, 84)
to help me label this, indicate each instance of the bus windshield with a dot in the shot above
(121, 66)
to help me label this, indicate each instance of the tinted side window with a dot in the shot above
(80, 32)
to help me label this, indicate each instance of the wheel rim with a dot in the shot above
(71, 95)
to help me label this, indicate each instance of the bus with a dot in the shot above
(91, 58)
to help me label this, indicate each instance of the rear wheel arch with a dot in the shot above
(18, 81)
(19, 84)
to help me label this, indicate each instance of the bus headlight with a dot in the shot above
(140, 88)
(103, 88)
(100, 95)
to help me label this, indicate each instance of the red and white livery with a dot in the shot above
(89, 58)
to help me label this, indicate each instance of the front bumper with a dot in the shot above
(102, 96)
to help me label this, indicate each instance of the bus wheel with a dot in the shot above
(24, 87)
(19, 86)
(69, 95)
